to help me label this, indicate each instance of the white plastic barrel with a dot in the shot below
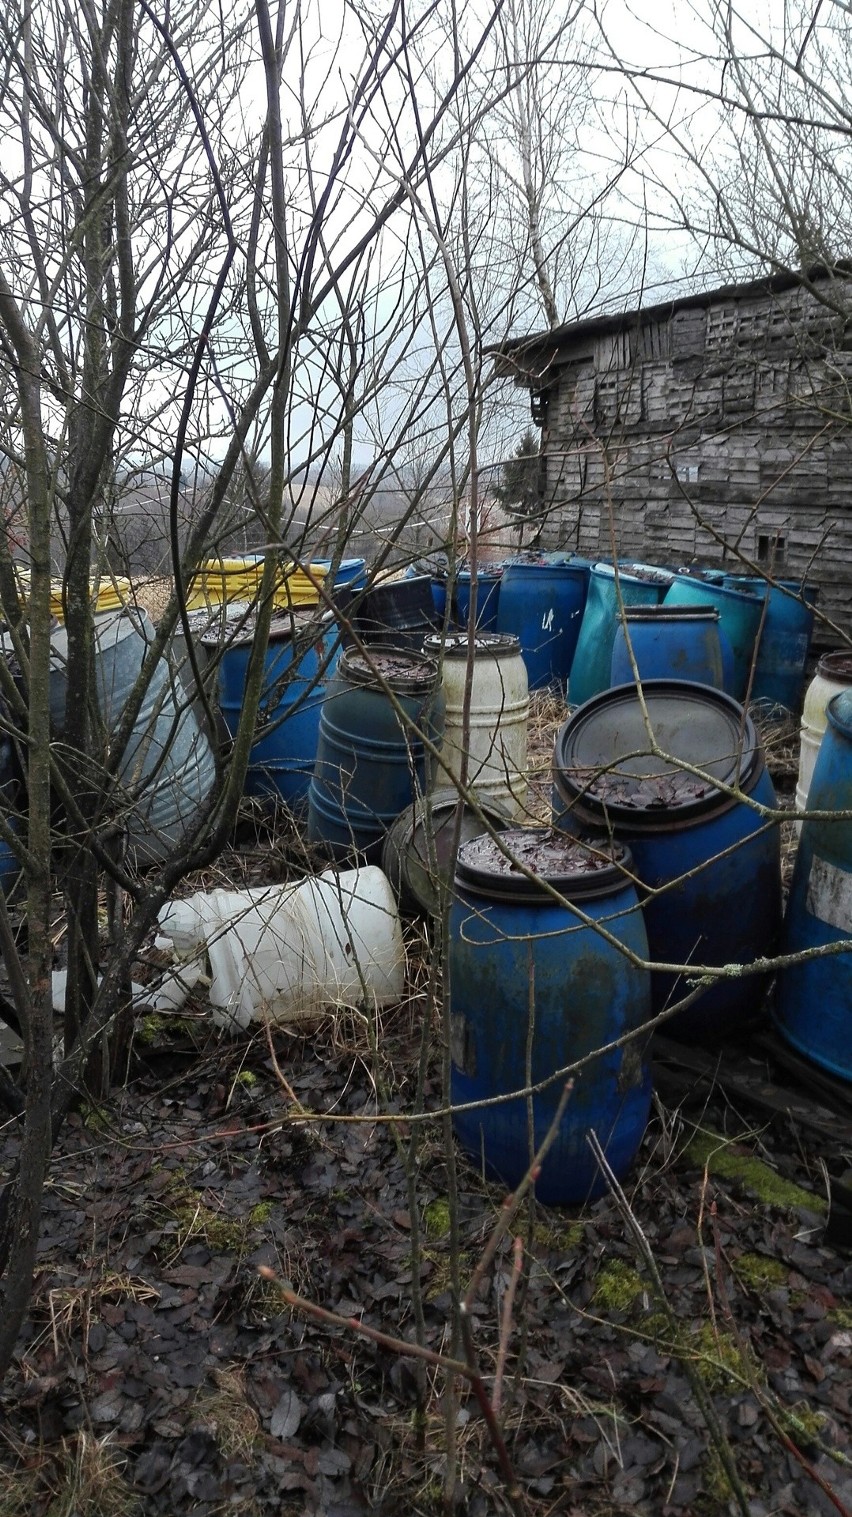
(286, 953)
(496, 739)
(834, 673)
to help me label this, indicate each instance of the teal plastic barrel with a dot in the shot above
(532, 976)
(640, 585)
(371, 757)
(739, 618)
(785, 638)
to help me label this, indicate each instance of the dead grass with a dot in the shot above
(226, 1411)
(547, 713)
(84, 1477)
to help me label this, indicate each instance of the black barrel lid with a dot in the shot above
(576, 867)
(457, 644)
(602, 752)
(836, 666)
(402, 672)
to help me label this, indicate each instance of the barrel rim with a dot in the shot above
(831, 666)
(662, 612)
(650, 574)
(574, 885)
(717, 589)
(747, 770)
(282, 628)
(838, 719)
(457, 644)
(418, 679)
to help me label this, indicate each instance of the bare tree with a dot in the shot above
(189, 278)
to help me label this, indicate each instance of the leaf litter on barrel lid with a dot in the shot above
(664, 791)
(543, 851)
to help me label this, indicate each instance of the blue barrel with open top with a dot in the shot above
(707, 857)
(668, 642)
(517, 952)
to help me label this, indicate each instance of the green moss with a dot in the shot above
(221, 1234)
(841, 1316)
(559, 1239)
(617, 1287)
(804, 1425)
(150, 1029)
(758, 1272)
(719, 1359)
(711, 1151)
(260, 1213)
(437, 1218)
(247, 1078)
(715, 1487)
(441, 1277)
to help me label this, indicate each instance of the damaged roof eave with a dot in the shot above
(530, 360)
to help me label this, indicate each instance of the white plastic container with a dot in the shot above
(834, 673)
(499, 714)
(284, 954)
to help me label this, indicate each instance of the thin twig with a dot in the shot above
(506, 1323)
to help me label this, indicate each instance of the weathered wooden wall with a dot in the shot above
(706, 432)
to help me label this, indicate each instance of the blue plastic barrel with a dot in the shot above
(300, 659)
(350, 571)
(814, 1003)
(708, 862)
(739, 619)
(668, 642)
(439, 598)
(487, 598)
(542, 605)
(515, 952)
(640, 585)
(371, 759)
(785, 638)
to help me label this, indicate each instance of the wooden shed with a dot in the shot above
(715, 428)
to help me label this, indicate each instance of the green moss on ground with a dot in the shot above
(711, 1151)
(437, 1218)
(617, 1286)
(719, 1359)
(759, 1273)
